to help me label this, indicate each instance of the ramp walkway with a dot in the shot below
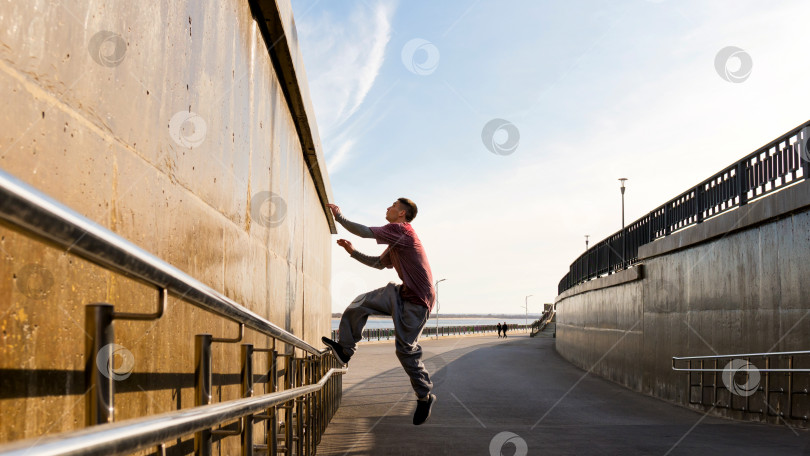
(518, 396)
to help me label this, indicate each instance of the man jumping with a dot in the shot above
(408, 304)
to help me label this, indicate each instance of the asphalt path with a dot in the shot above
(518, 396)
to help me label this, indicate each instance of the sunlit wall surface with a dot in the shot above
(169, 123)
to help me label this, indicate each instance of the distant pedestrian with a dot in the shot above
(504, 328)
(499, 330)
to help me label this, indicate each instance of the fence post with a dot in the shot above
(742, 182)
(802, 142)
(247, 391)
(202, 389)
(272, 425)
(100, 398)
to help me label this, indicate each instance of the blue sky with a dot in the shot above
(597, 90)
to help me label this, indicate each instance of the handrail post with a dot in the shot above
(288, 410)
(272, 422)
(331, 390)
(305, 411)
(688, 379)
(310, 408)
(767, 386)
(322, 398)
(99, 347)
(202, 389)
(299, 402)
(790, 388)
(313, 378)
(247, 391)
(747, 383)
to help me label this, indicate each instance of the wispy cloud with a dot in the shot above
(345, 51)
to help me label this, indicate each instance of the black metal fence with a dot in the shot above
(779, 163)
(430, 331)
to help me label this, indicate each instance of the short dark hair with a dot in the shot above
(410, 208)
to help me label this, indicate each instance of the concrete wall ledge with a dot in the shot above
(621, 277)
(792, 199)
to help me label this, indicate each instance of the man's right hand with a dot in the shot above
(335, 209)
(346, 245)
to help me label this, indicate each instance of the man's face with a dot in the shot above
(393, 212)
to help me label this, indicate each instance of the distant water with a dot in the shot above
(377, 323)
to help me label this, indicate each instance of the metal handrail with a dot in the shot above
(743, 355)
(738, 355)
(25, 207)
(137, 434)
(773, 383)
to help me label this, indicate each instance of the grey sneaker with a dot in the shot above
(423, 409)
(337, 350)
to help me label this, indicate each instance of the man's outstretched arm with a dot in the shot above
(367, 260)
(374, 262)
(352, 227)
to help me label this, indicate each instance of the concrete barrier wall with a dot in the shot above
(169, 124)
(742, 288)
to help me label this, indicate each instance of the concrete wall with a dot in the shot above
(94, 100)
(738, 284)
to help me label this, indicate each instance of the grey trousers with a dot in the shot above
(409, 319)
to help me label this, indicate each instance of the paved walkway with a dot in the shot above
(487, 387)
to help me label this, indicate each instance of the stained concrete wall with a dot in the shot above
(738, 284)
(170, 124)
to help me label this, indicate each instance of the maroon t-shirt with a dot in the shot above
(407, 256)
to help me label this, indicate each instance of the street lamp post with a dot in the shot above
(586, 241)
(622, 179)
(437, 306)
(526, 306)
(624, 235)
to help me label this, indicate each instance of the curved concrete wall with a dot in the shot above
(733, 284)
(173, 125)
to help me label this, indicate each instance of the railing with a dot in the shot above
(541, 323)
(775, 395)
(784, 161)
(142, 433)
(26, 208)
(460, 330)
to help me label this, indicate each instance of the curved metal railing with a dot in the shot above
(782, 162)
